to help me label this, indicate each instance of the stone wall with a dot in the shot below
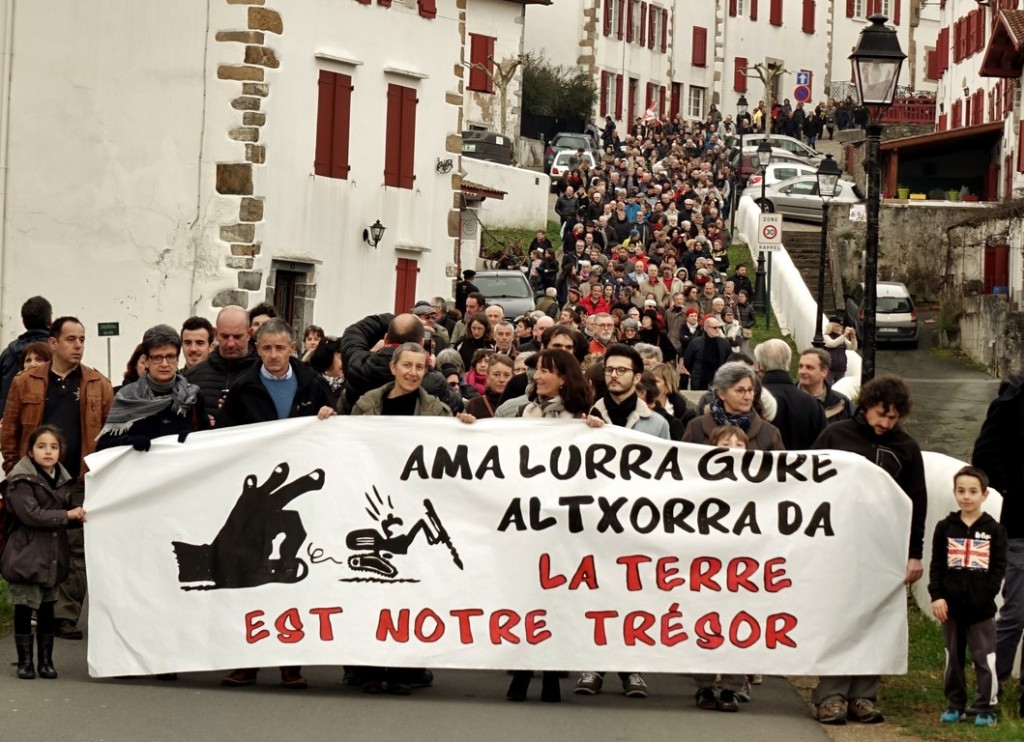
(991, 332)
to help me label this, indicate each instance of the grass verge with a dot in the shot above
(492, 240)
(740, 253)
(914, 701)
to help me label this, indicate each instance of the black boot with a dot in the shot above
(23, 642)
(550, 688)
(45, 666)
(519, 685)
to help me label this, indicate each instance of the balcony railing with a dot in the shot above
(910, 111)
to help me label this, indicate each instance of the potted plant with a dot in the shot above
(903, 192)
(936, 194)
(953, 194)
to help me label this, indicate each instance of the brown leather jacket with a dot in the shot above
(24, 411)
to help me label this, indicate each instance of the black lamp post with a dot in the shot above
(741, 124)
(877, 60)
(762, 300)
(828, 176)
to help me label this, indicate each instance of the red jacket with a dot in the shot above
(600, 306)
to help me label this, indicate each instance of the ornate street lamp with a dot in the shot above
(828, 177)
(877, 60)
(761, 160)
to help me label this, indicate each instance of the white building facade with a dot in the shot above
(229, 152)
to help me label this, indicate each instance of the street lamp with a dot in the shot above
(761, 160)
(828, 177)
(741, 124)
(877, 60)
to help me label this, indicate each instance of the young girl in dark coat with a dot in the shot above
(35, 560)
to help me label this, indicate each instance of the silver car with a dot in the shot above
(509, 289)
(798, 197)
(895, 315)
(791, 145)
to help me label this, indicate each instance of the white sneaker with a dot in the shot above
(589, 684)
(634, 686)
(743, 694)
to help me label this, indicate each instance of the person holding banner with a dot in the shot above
(874, 433)
(280, 387)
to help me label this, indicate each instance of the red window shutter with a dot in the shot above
(643, 24)
(896, 8)
(700, 47)
(324, 123)
(775, 13)
(364, 2)
(661, 102)
(849, 8)
(604, 93)
(342, 125)
(981, 30)
(808, 26)
(739, 75)
(384, 3)
(942, 122)
(618, 97)
(753, 10)
(677, 94)
(481, 51)
(400, 137)
(1020, 148)
(622, 7)
(651, 13)
(732, 8)
(931, 66)
(664, 30)
(629, 20)
(405, 284)
(648, 96)
(428, 8)
(608, 17)
(943, 50)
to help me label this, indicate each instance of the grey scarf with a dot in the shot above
(139, 400)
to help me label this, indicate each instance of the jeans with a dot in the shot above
(1010, 621)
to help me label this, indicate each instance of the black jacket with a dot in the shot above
(166, 422)
(366, 370)
(895, 452)
(970, 591)
(998, 449)
(217, 374)
(248, 401)
(10, 360)
(799, 416)
(704, 356)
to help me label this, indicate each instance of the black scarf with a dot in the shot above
(619, 412)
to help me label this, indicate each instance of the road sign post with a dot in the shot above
(769, 239)
(108, 330)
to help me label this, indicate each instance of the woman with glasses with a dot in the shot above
(161, 402)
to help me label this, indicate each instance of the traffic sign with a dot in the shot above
(803, 77)
(769, 231)
(108, 329)
(801, 93)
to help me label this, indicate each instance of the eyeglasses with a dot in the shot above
(618, 370)
(168, 358)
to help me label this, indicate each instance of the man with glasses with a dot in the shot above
(706, 353)
(621, 406)
(604, 333)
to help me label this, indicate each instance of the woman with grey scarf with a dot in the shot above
(160, 403)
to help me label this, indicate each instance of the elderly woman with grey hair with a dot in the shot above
(162, 402)
(734, 387)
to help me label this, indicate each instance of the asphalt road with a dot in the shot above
(462, 705)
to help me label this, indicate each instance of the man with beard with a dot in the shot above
(604, 333)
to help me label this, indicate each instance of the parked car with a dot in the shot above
(791, 145)
(487, 145)
(509, 289)
(565, 161)
(780, 171)
(895, 316)
(798, 197)
(569, 140)
(745, 168)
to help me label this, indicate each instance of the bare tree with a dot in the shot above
(768, 73)
(501, 77)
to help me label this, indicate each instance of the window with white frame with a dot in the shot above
(609, 95)
(858, 8)
(637, 10)
(655, 29)
(740, 9)
(695, 102)
(615, 8)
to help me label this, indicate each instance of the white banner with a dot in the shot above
(504, 544)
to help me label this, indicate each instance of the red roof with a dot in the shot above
(1004, 54)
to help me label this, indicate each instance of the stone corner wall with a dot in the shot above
(234, 179)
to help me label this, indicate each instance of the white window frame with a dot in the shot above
(615, 16)
(637, 8)
(610, 93)
(740, 9)
(695, 111)
(654, 29)
(858, 8)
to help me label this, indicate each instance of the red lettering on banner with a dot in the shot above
(289, 627)
(536, 627)
(386, 626)
(665, 573)
(502, 623)
(599, 617)
(421, 618)
(671, 627)
(464, 614)
(324, 614)
(775, 634)
(547, 581)
(739, 573)
(254, 631)
(635, 627)
(709, 631)
(632, 563)
(775, 579)
(586, 574)
(702, 573)
(754, 630)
